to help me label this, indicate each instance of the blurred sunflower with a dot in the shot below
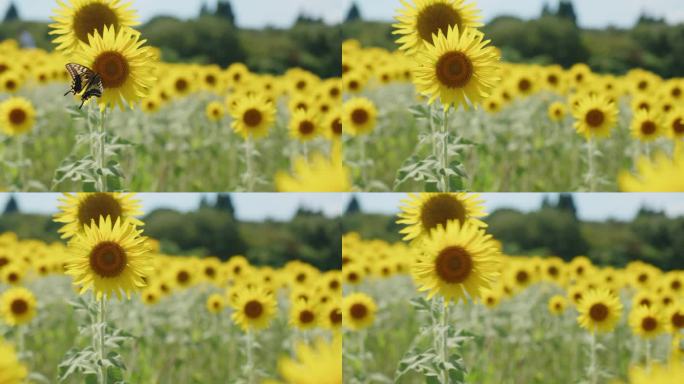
(595, 116)
(420, 20)
(358, 311)
(320, 174)
(17, 116)
(661, 174)
(18, 306)
(253, 308)
(304, 124)
(215, 111)
(646, 322)
(599, 310)
(304, 315)
(124, 65)
(675, 318)
(215, 303)
(359, 116)
(459, 69)
(81, 209)
(675, 124)
(317, 364)
(456, 261)
(424, 212)
(75, 20)
(12, 371)
(557, 304)
(109, 257)
(557, 111)
(646, 125)
(252, 116)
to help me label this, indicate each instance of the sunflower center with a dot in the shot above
(676, 92)
(210, 79)
(216, 304)
(306, 128)
(435, 18)
(306, 317)
(598, 312)
(675, 284)
(524, 85)
(301, 277)
(10, 85)
(252, 117)
(301, 84)
(334, 285)
(164, 288)
(182, 277)
(553, 271)
(181, 85)
(522, 277)
(337, 126)
(253, 309)
(577, 297)
(453, 264)
(210, 271)
(643, 85)
(440, 209)
(108, 259)
(648, 128)
(336, 316)
(454, 69)
(360, 116)
(353, 85)
(112, 68)
(93, 17)
(17, 116)
(13, 277)
(334, 92)
(595, 118)
(96, 205)
(353, 277)
(678, 320)
(553, 79)
(358, 311)
(490, 300)
(557, 306)
(649, 323)
(678, 126)
(3, 261)
(19, 306)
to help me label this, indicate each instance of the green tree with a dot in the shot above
(567, 11)
(12, 206)
(225, 10)
(12, 13)
(224, 203)
(354, 14)
(353, 207)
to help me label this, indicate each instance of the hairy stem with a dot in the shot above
(249, 163)
(100, 326)
(445, 150)
(100, 159)
(591, 177)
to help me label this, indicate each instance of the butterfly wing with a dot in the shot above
(93, 88)
(80, 76)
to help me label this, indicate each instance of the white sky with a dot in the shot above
(591, 13)
(249, 13)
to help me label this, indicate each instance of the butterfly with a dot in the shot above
(84, 80)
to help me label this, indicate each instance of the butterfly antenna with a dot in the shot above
(68, 92)
(82, 102)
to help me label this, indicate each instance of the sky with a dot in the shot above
(249, 13)
(248, 206)
(282, 206)
(591, 13)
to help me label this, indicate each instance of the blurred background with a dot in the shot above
(610, 228)
(268, 228)
(269, 36)
(610, 35)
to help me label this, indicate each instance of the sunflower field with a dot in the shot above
(445, 112)
(108, 307)
(447, 306)
(129, 121)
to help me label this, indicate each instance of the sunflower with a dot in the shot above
(491, 298)
(358, 311)
(576, 293)
(331, 315)
(647, 322)
(459, 69)
(304, 315)
(675, 318)
(18, 306)
(420, 20)
(109, 257)
(124, 65)
(359, 116)
(675, 124)
(424, 212)
(557, 111)
(319, 174)
(557, 304)
(599, 310)
(151, 104)
(215, 111)
(12, 371)
(317, 364)
(253, 116)
(10, 82)
(151, 295)
(657, 373)
(646, 125)
(13, 274)
(253, 308)
(493, 104)
(77, 19)
(661, 174)
(595, 116)
(332, 125)
(17, 116)
(81, 209)
(304, 124)
(215, 303)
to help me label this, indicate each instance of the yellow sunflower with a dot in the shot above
(304, 315)
(317, 364)
(599, 310)
(151, 295)
(304, 124)
(215, 111)
(124, 65)
(646, 125)
(332, 125)
(75, 20)
(215, 303)
(332, 315)
(646, 322)
(254, 308)
(252, 116)
(17, 116)
(109, 257)
(81, 209)
(359, 116)
(320, 174)
(420, 20)
(18, 306)
(675, 318)
(459, 69)
(12, 371)
(595, 116)
(10, 82)
(661, 174)
(491, 298)
(557, 304)
(557, 111)
(675, 124)
(424, 212)
(358, 311)
(456, 261)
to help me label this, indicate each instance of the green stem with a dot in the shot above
(362, 153)
(251, 378)
(249, 157)
(593, 364)
(100, 326)
(590, 158)
(445, 350)
(22, 163)
(648, 356)
(100, 158)
(445, 150)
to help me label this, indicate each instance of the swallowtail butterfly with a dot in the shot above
(84, 80)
